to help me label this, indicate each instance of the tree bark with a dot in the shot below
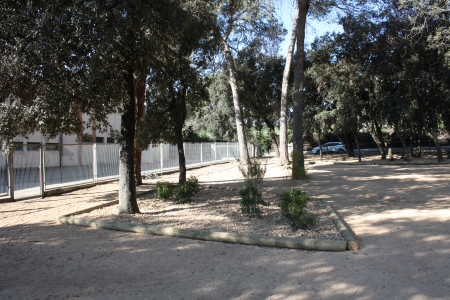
(139, 94)
(179, 135)
(127, 184)
(284, 153)
(181, 158)
(377, 136)
(405, 148)
(320, 144)
(348, 144)
(243, 151)
(437, 144)
(357, 146)
(273, 138)
(299, 162)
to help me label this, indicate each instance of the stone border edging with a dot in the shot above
(352, 244)
(305, 244)
(226, 237)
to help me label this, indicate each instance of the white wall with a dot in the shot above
(114, 120)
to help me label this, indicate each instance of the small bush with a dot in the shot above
(253, 171)
(251, 201)
(251, 197)
(183, 193)
(164, 190)
(192, 182)
(292, 206)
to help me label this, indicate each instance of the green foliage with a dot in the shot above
(263, 140)
(292, 206)
(253, 171)
(181, 193)
(251, 201)
(164, 190)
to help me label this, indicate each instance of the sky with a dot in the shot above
(314, 28)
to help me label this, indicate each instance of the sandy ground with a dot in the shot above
(399, 214)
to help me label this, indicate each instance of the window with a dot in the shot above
(18, 146)
(99, 140)
(86, 138)
(33, 146)
(110, 140)
(51, 146)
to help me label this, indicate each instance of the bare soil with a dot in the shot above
(219, 210)
(398, 212)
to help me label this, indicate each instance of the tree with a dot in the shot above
(429, 23)
(259, 79)
(242, 21)
(298, 162)
(77, 57)
(216, 116)
(175, 84)
(284, 155)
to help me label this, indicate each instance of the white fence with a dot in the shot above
(40, 168)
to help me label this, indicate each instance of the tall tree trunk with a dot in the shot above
(139, 94)
(320, 144)
(437, 144)
(405, 148)
(127, 184)
(377, 136)
(80, 143)
(284, 153)
(348, 144)
(357, 145)
(299, 161)
(242, 140)
(273, 138)
(181, 157)
(179, 135)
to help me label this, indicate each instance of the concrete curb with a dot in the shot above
(226, 237)
(352, 244)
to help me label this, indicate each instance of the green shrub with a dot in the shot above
(251, 196)
(192, 182)
(253, 171)
(292, 206)
(183, 193)
(164, 190)
(251, 200)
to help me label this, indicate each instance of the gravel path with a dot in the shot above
(400, 215)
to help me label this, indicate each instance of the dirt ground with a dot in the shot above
(399, 214)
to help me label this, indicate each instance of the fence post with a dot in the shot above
(227, 152)
(11, 176)
(94, 162)
(215, 150)
(42, 169)
(201, 153)
(161, 157)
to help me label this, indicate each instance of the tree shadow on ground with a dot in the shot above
(403, 226)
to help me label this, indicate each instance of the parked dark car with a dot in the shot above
(332, 147)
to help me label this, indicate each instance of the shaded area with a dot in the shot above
(399, 214)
